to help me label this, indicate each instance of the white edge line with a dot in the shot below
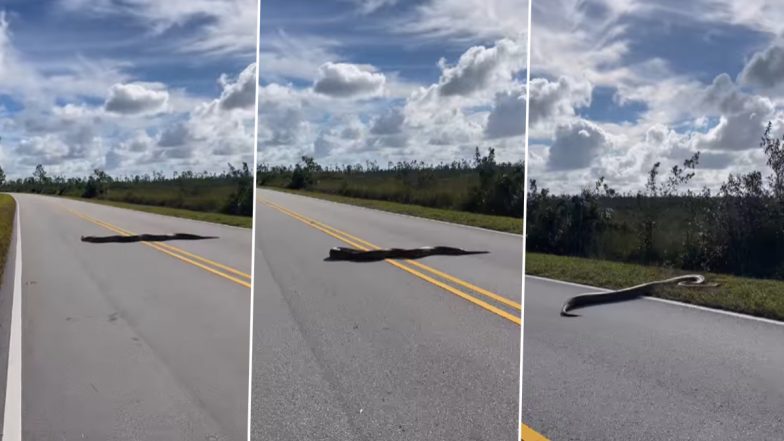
(253, 221)
(12, 417)
(525, 217)
(671, 302)
(398, 214)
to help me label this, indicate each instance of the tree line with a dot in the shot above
(229, 191)
(738, 229)
(481, 184)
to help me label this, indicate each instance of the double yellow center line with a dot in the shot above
(526, 433)
(219, 269)
(412, 267)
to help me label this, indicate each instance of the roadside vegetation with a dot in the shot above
(498, 223)
(7, 211)
(480, 192)
(738, 230)
(225, 197)
(758, 297)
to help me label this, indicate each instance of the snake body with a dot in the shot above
(583, 300)
(144, 238)
(355, 255)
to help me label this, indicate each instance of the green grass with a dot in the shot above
(217, 218)
(7, 211)
(498, 223)
(758, 297)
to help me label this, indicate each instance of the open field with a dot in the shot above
(762, 298)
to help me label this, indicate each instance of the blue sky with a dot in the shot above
(130, 86)
(618, 85)
(348, 81)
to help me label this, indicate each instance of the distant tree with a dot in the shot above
(774, 151)
(303, 175)
(241, 200)
(40, 174)
(97, 184)
(2, 177)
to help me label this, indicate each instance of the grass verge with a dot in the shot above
(217, 218)
(758, 297)
(498, 223)
(7, 211)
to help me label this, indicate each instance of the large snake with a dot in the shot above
(595, 298)
(354, 255)
(144, 238)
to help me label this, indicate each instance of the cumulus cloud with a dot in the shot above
(136, 99)
(555, 100)
(281, 116)
(408, 118)
(508, 115)
(677, 110)
(576, 145)
(389, 123)
(766, 68)
(743, 116)
(75, 112)
(479, 67)
(174, 136)
(345, 80)
(241, 93)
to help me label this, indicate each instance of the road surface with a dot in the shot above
(371, 351)
(648, 370)
(125, 341)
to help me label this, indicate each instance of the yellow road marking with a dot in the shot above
(181, 251)
(463, 283)
(343, 237)
(529, 434)
(172, 251)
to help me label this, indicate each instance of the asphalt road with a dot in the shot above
(369, 351)
(648, 370)
(121, 341)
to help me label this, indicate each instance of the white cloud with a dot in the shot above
(466, 20)
(283, 56)
(174, 136)
(508, 115)
(241, 93)
(742, 116)
(79, 112)
(389, 123)
(596, 44)
(227, 26)
(479, 67)
(766, 68)
(345, 80)
(371, 6)
(557, 100)
(576, 145)
(136, 98)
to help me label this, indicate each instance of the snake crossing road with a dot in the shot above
(144, 238)
(355, 255)
(620, 295)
